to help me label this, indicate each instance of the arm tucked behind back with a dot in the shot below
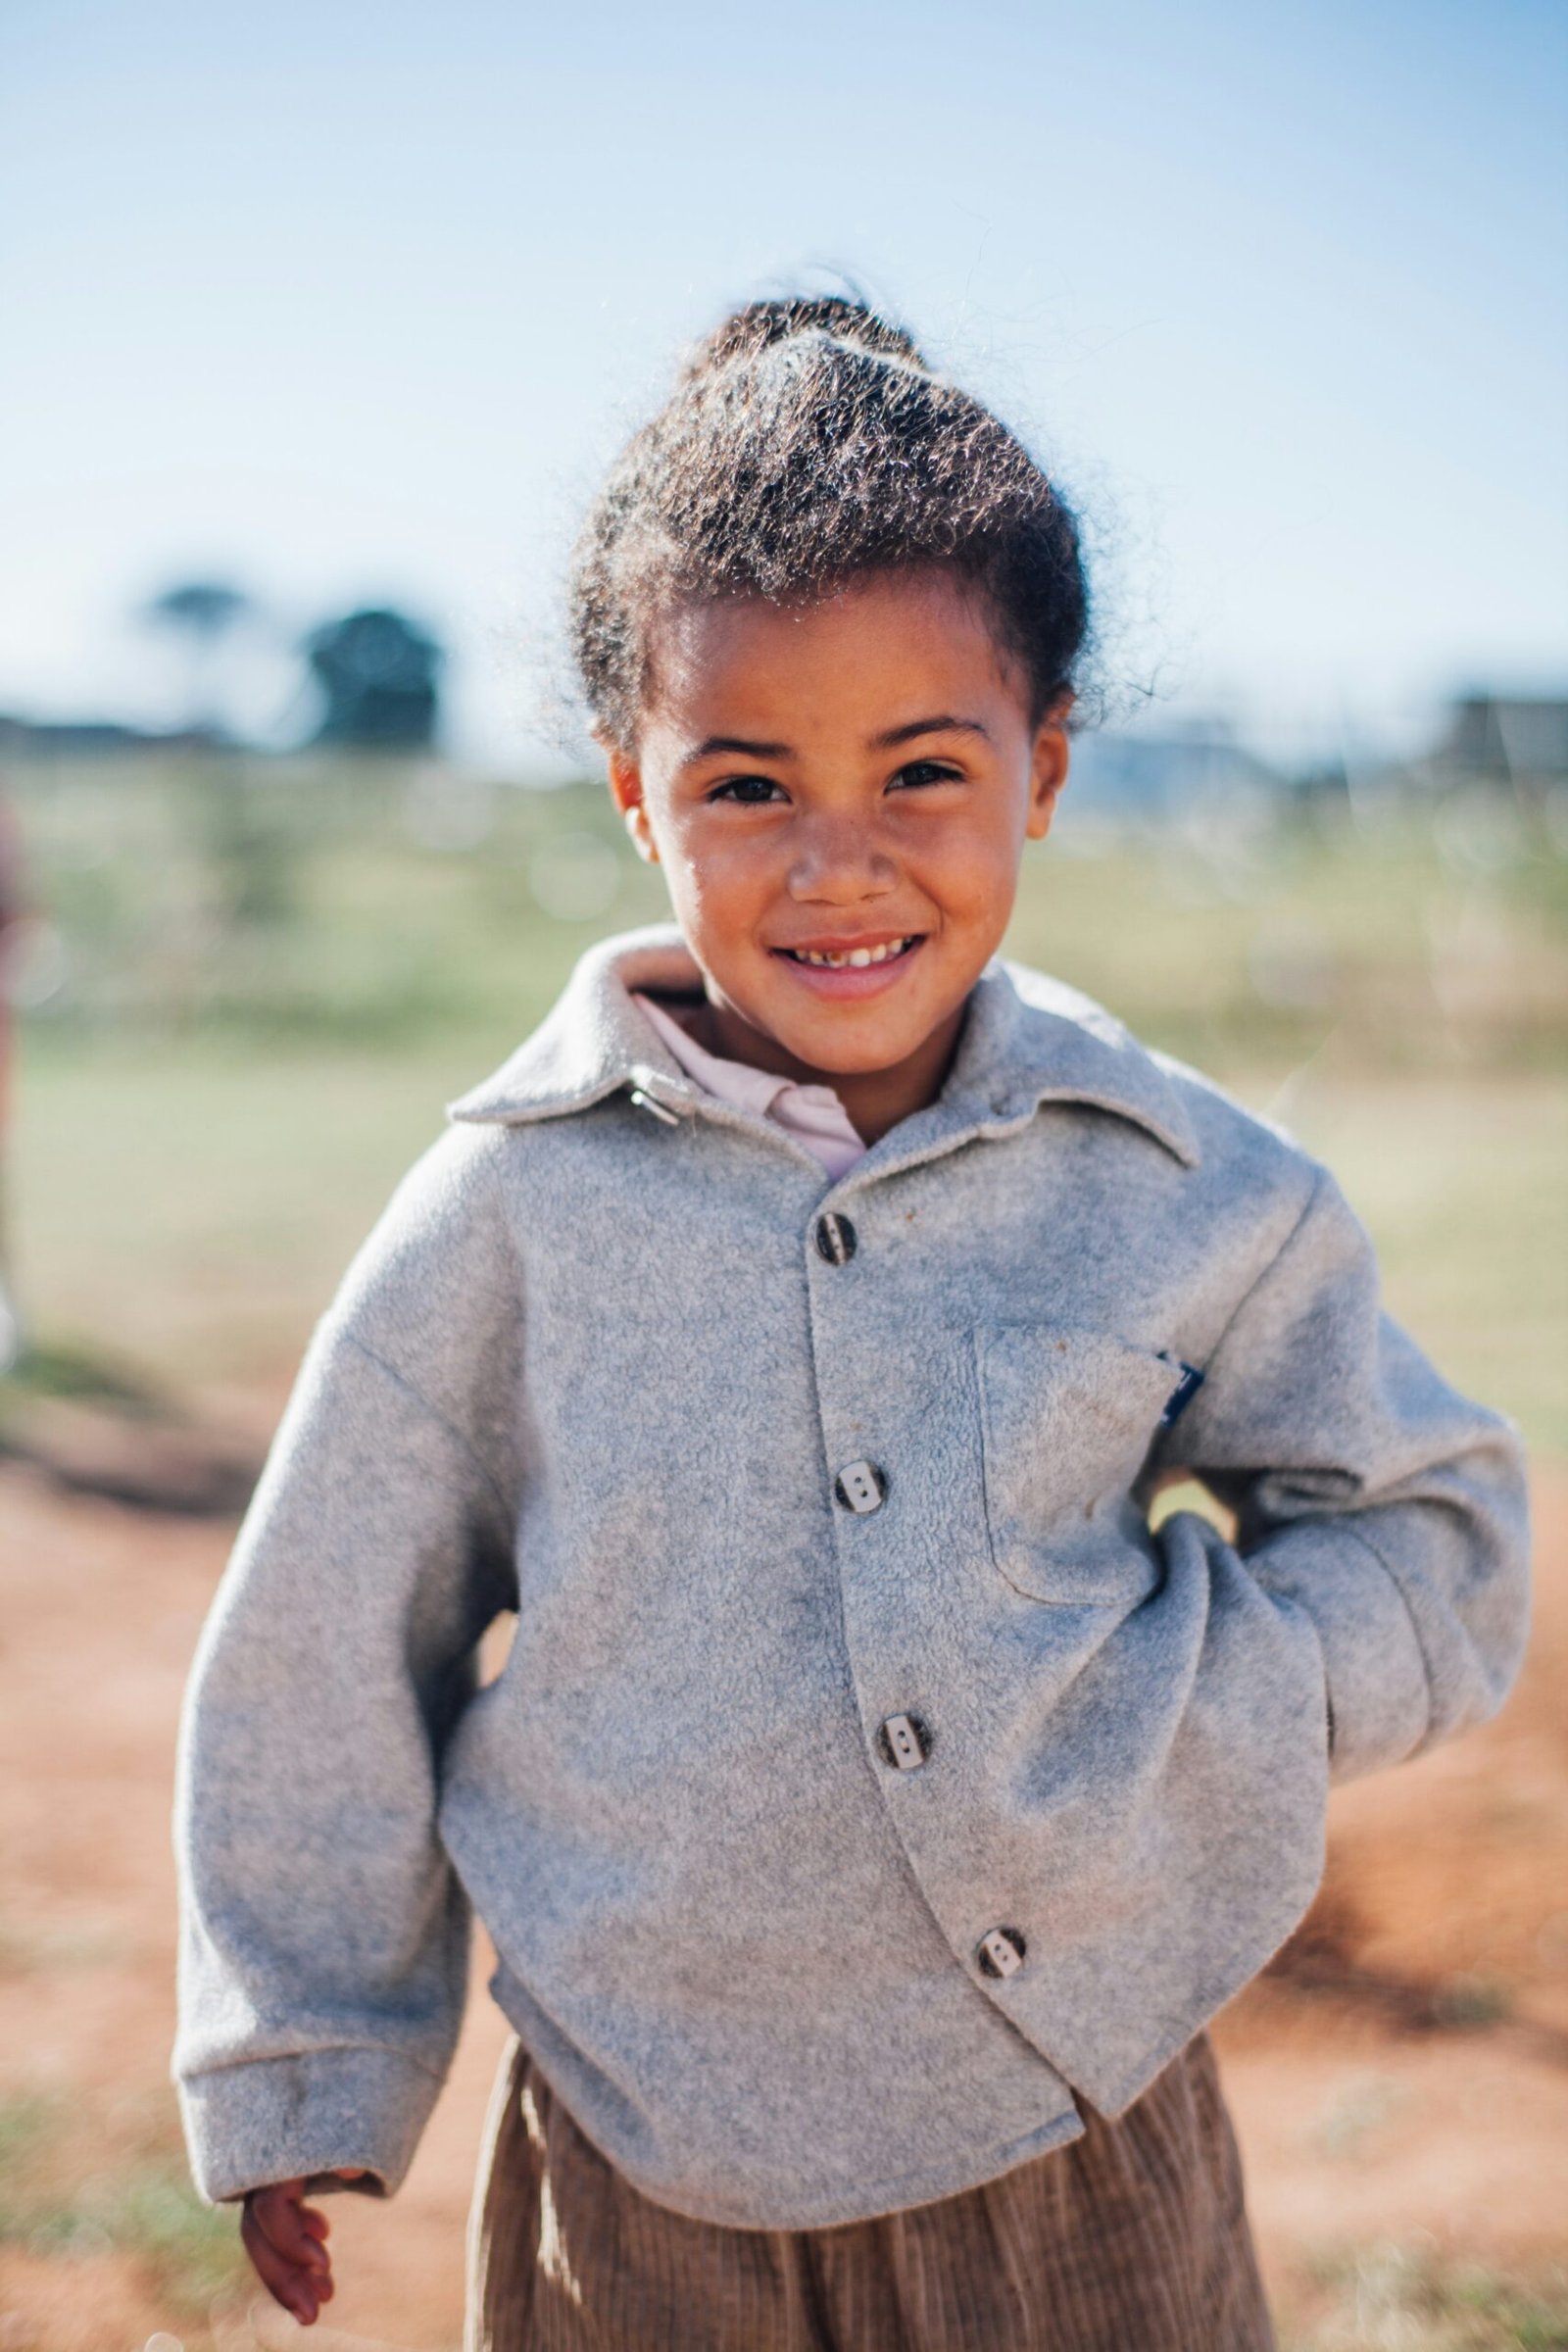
(1369, 1494)
(323, 1936)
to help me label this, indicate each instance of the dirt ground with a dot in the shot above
(1400, 2078)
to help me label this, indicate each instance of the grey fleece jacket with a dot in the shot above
(865, 1779)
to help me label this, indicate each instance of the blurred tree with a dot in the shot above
(378, 671)
(205, 613)
(206, 609)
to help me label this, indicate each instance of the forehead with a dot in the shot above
(864, 657)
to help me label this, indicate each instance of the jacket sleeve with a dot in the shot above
(323, 1938)
(1368, 1494)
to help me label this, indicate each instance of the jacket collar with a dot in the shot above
(1028, 1040)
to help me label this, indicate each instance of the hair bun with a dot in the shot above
(758, 324)
(807, 446)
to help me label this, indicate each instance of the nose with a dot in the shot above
(839, 863)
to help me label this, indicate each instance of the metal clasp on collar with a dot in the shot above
(646, 1101)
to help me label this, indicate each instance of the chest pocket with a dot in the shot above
(1067, 1418)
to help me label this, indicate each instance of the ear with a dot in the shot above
(626, 791)
(1048, 768)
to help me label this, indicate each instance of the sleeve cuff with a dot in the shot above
(1378, 1697)
(276, 2119)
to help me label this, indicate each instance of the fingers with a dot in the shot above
(284, 2281)
(283, 2237)
(296, 2231)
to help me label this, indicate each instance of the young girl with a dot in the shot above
(873, 1810)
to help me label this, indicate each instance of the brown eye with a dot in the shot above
(749, 792)
(927, 771)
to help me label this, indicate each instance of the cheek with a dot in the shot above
(973, 874)
(717, 883)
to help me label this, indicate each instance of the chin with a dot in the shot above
(843, 1056)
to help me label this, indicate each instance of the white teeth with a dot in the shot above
(854, 958)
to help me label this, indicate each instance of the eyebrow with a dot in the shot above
(943, 724)
(739, 747)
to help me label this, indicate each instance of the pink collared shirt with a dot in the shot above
(814, 1114)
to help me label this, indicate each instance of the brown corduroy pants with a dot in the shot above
(1133, 2238)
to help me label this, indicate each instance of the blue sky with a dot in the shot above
(349, 301)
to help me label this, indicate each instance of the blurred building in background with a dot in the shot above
(1504, 740)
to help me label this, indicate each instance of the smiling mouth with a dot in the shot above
(841, 959)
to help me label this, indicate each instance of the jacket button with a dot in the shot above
(836, 1239)
(1001, 1951)
(905, 1742)
(860, 1488)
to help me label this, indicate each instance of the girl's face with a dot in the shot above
(839, 793)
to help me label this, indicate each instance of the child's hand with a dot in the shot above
(285, 2240)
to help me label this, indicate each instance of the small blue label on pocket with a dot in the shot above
(1181, 1396)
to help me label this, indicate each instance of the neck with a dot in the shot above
(874, 1100)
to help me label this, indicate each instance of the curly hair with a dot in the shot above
(808, 444)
